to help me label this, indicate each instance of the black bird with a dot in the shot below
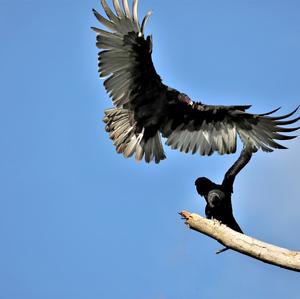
(146, 109)
(218, 203)
(218, 197)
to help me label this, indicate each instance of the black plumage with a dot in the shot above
(218, 197)
(145, 109)
(218, 203)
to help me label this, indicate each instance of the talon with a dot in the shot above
(217, 221)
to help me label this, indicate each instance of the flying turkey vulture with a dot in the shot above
(145, 109)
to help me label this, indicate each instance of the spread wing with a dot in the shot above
(131, 81)
(125, 57)
(145, 108)
(207, 129)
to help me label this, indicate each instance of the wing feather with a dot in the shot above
(118, 8)
(126, 9)
(135, 14)
(131, 81)
(109, 12)
(103, 21)
(207, 129)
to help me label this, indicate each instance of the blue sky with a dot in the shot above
(79, 221)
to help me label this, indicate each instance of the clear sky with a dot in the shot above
(79, 221)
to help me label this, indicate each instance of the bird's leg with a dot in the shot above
(237, 166)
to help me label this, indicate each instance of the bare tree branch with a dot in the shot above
(259, 250)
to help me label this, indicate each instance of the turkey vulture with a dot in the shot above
(145, 109)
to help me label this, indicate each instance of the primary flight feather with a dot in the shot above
(145, 109)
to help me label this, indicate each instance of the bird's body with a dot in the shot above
(218, 203)
(218, 196)
(145, 109)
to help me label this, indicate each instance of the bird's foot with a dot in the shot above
(216, 221)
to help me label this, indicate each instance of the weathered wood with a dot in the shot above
(259, 250)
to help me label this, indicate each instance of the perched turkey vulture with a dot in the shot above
(145, 109)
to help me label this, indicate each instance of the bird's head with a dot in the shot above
(204, 185)
(182, 97)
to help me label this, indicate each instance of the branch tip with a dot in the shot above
(185, 215)
(242, 243)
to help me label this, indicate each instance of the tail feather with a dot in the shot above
(129, 143)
